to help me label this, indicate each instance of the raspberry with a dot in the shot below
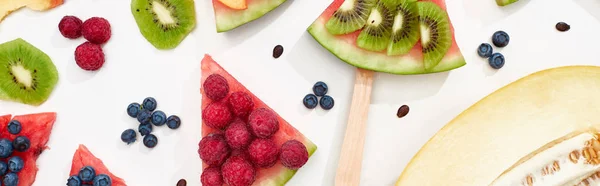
(215, 87)
(293, 154)
(241, 104)
(263, 123)
(216, 115)
(89, 56)
(238, 172)
(237, 135)
(263, 152)
(213, 149)
(211, 176)
(70, 27)
(242, 153)
(96, 30)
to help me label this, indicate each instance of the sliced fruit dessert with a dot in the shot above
(542, 129)
(245, 142)
(164, 23)
(505, 2)
(8, 6)
(27, 75)
(230, 14)
(393, 36)
(23, 139)
(88, 169)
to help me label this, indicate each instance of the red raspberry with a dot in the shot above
(215, 87)
(89, 56)
(263, 123)
(217, 115)
(238, 172)
(263, 152)
(237, 135)
(211, 176)
(242, 153)
(96, 30)
(213, 149)
(241, 104)
(293, 154)
(70, 27)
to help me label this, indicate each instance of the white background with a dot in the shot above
(91, 105)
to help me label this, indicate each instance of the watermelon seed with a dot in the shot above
(562, 26)
(182, 182)
(402, 111)
(277, 51)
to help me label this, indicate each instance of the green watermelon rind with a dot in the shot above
(231, 19)
(286, 176)
(505, 2)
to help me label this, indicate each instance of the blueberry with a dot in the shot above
(485, 50)
(158, 118)
(11, 179)
(74, 181)
(14, 127)
(150, 141)
(6, 148)
(3, 168)
(145, 129)
(134, 109)
(326, 102)
(21, 143)
(310, 101)
(500, 38)
(128, 136)
(149, 104)
(320, 88)
(496, 61)
(144, 116)
(15, 164)
(87, 174)
(173, 122)
(102, 180)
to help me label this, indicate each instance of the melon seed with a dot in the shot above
(402, 111)
(562, 26)
(277, 51)
(182, 182)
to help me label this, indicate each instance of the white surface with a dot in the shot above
(91, 106)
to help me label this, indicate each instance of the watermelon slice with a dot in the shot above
(277, 174)
(83, 157)
(345, 48)
(37, 128)
(228, 18)
(505, 2)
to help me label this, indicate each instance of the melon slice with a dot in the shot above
(277, 174)
(520, 130)
(8, 6)
(83, 157)
(345, 48)
(227, 18)
(36, 127)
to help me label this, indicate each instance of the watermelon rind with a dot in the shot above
(286, 175)
(227, 19)
(505, 2)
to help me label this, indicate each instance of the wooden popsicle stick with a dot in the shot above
(350, 161)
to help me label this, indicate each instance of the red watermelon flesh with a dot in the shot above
(278, 174)
(36, 127)
(83, 157)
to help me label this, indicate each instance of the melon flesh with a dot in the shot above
(278, 174)
(508, 125)
(345, 48)
(235, 4)
(83, 157)
(227, 18)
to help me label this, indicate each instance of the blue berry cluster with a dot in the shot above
(495, 60)
(87, 177)
(12, 164)
(311, 100)
(148, 117)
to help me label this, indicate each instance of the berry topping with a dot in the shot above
(320, 88)
(158, 118)
(145, 129)
(213, 149)
(21, 143)
(238, 172)
(11, 179)
(3, 168)
(70, 27)
(87, 174)
(149, 104)
(500, 38)
(15, 164)
(96, 30)
(173, 122)
(128, 136)
(14, 127)
(485, 50)
(102, 180)
(134, 109)
(215, 87)
(263, 152)
(241, 104)
(237, 135)
(293, 154)
(74, 181)
(211, 176)
(150, 141)
(310, 101)
(89, 56)
(326, 102)
(263, 123)
(144, 116)
(6, 148)
(217, 115)
(496, 61)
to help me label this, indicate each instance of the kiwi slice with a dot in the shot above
(436, 37)
(378, 30)
(350, 16)
(27, 75)
(164, 23)
(405, 30)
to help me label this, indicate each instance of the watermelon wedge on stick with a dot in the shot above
(83, 157)
(240, 12)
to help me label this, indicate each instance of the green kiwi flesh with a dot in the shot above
(405, 30)
(164, 23)
(27, 75)
(378, 30)
(351, 16)
(436, 37)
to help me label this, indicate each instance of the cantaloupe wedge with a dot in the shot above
(235, 4)
(538, 130)
(8, 6)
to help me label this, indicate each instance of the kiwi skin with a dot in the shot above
(43, 73)
(164, 36)
(348, 21)
(439, 40)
